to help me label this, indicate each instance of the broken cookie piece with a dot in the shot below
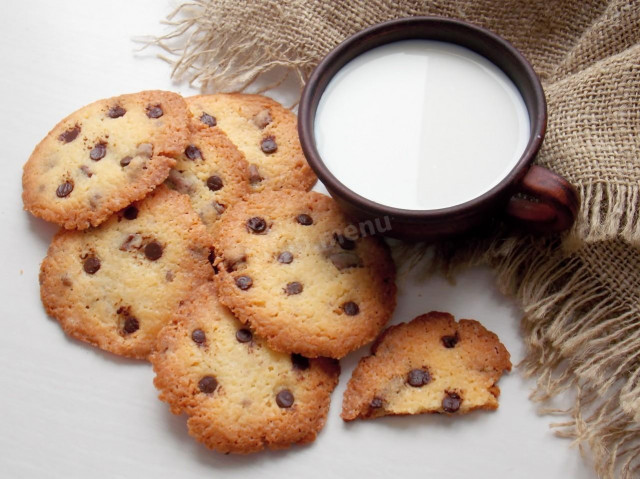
(432, 364)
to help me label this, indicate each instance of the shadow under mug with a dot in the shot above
(530, 195)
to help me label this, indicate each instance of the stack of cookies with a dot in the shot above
(189, 237)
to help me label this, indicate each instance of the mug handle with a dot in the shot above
(554, 204)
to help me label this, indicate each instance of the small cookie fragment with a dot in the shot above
(283, 270)
(240, 396)
(212, 172)
(103, 157)
(116, 285)
(264, 131)
(429, 365)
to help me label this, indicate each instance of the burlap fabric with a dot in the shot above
(581, 292)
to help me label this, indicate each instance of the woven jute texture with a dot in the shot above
(580, 292)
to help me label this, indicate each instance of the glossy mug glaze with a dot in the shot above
(455, 119)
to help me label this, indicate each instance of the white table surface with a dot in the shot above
(71, 411)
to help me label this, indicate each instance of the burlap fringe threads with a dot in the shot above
(609, 211)
(223, 63)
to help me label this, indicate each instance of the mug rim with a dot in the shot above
(386, 33)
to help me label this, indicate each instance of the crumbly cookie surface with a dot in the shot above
(212, 172)
(116, 285)
(104, 156)
(429, 365)
(264, 131)
(290, 265)
(240, 395)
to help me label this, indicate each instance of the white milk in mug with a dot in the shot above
(421, 125)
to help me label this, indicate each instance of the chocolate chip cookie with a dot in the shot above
(116, 285)
(240, 395)
(104, 156)
(264, 131)
(212, 172)
(429, 365)
(291, 266)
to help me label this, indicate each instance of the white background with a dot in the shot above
(70, 411)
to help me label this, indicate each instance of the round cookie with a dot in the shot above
(240, 395)
(104, 156)
(264, 131)
(290, 265)
(116, 285)
(430, 365)
(212, 172)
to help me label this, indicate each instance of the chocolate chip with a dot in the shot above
(64, 189)
(345, 260)
(86, 170)
(133, 241)
(145, 150)
(304, 220)
(193, 152)
(268, 145)
(179, 182)
(91, 265)
(418, 377)
(208, 119)
(244, 335)
(450, 341)
(344, 242)
(94, 201)
(198, 336)
(285, 257)
(254, 174)
(131, 325)
(376, 403)
(70, 135)
(232, 263)
(219, 207)
(284, 399)
(154, 111)
(256, 225)
(116, 111)
(262, 119)
(214, 183)
(350, 308)
(125, 161)
(244, 282)
(293, 288)
(153, 251)
(207, 384)
(98, 151)
(451, 402)
(299, 362)
(130, 212)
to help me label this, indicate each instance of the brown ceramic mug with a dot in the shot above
(530, 195)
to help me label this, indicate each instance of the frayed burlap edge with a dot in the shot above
(608, 211)
(233, 63)
(578, 339)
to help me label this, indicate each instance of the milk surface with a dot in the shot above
(421, 124)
